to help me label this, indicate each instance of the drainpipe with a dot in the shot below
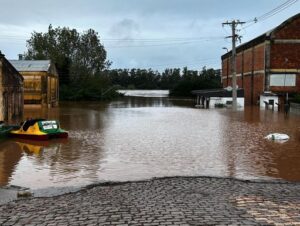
(267, 64)
(252, 76)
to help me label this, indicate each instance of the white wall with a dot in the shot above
(267, 98)
(223, 100)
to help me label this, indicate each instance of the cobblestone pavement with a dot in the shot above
(169, 201)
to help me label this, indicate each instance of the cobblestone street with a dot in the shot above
(169, 201)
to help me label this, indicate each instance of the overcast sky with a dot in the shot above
(143, 33)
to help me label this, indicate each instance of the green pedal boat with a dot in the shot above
(39, 129)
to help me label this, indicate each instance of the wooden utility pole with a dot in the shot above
(233, 24)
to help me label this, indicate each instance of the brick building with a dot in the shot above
(268, 63)
(11, 91)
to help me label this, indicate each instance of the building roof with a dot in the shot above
(31, 65)
(261, 38)
(217, 92)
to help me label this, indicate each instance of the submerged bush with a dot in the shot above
(296, 98)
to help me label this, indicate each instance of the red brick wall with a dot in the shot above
(247, 89)
(286, 56)
(239, 61)
(259, 81)
(289, 31)
(282, 51)
(246, 62)
(225, 70)
(259, 58)
(258, 87)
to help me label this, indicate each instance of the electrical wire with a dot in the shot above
(133, 42)
(155, 45)
(271, 13)
(189, 63)
(277, 10)
(167, 39)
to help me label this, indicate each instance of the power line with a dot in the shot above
(166, 39)
(185, 63)
(271, 13)
(133, 42)
(194, 62)
(154, 45)
(130, 39)
(278, 9)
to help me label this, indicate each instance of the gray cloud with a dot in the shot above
(143, 19)
(125, 29)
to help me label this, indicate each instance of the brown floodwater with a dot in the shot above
(137, 138)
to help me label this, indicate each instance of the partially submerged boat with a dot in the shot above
(278, 137)
(39, 129)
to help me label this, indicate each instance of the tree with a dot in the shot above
(194, 80)
(77, 56)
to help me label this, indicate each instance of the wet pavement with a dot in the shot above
(168, 201)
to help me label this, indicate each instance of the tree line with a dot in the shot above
(180, 82)
(85, 74)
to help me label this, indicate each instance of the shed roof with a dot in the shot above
(15, 72)
(217, 92)
(31, 65)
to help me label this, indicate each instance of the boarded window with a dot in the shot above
(283, 80)
(32, 84)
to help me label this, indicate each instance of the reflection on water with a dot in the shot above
(145, 93)
(137, 138)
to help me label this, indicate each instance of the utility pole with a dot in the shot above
(233, 24)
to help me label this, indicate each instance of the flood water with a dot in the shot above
(135, 138)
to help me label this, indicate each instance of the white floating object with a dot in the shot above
(277, 137)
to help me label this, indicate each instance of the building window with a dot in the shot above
(283, 80)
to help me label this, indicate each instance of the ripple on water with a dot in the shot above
(130, 139)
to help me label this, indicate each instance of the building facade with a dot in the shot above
(41, 86)
(268, 63)
(11, 91)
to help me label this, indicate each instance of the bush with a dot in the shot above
(219, 105)
(296, 98)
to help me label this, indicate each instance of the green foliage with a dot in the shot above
(75, 55)
(180, 83)
(220, 105)
(135, 78)
(83, 69)
(192, 80)
(296, 98)
(94, 88)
